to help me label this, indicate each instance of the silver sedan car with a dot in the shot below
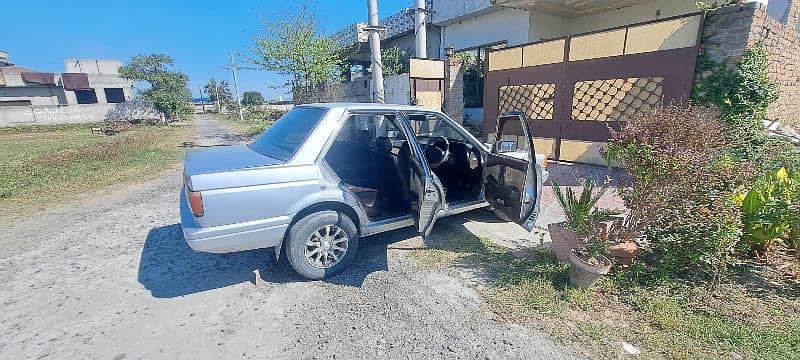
(326, 175)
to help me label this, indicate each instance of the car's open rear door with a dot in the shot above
(512, 177)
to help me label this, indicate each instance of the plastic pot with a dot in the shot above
(584, 275)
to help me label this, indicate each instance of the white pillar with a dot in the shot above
(420, 24)
(375, 50)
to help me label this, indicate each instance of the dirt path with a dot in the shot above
(112, 278)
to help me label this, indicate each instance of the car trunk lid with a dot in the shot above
(219, 159)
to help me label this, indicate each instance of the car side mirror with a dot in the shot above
(506, 146)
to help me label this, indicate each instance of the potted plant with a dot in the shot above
(579, 211)
(588, 262)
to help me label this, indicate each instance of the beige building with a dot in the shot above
(84, 81)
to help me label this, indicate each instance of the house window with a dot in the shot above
(114, 95)
(779, 10)
(15, 103)
(86, 96)
(474, 73)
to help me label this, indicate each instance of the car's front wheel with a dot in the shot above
(321, 244)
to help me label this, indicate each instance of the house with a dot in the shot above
(398, 32)
(85, 81)
(428, 82)
(578, 67)
(89, 90)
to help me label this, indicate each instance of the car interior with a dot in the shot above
(372, 158)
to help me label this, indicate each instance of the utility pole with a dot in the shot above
(202, 102)
(216, 91)
(420, 25)
(236, 84)
(375, 50)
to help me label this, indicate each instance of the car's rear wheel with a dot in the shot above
(321, 244)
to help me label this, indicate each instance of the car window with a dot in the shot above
(434, 125)
(282, 139)
(365, 128)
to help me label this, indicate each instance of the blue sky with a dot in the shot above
(198, 34)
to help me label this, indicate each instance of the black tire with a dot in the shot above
(303, 230)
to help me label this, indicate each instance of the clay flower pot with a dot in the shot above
(624, 252)
(583, 274)
(564, 241)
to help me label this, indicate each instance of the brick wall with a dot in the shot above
(782, 43)
(454, 89)
(730, 30)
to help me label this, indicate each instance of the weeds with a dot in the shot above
(666, 321)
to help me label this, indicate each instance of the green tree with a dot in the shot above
(473, 78)
(168, 90)
(220, 92)
(395, 61)
(295, 49)
(250, 98)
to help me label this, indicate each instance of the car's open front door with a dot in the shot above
(512, 177)
(423, 182)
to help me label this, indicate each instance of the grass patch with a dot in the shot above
(249, 129)
(40, 166)
(675, 321)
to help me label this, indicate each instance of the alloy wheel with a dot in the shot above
(326, 247)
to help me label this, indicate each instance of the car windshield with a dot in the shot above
(282, 140)
(434, 125)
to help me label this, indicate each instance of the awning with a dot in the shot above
(39, 78)
(568, 7)
(75, 81)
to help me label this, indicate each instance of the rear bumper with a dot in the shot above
(232, 237)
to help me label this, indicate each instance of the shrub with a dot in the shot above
(256, 114)
(395, 61)
(681, 189)
(742, 93)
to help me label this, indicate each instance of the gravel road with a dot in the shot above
(112, 278)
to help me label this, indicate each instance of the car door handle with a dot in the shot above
(430, 195)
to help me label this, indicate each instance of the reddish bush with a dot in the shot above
(680, 189)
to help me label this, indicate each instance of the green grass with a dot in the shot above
(670, 321)
(247, 128)
(43, 165)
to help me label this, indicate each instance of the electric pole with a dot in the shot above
(375, 50)
(216, 91)
(236, 84)
(202, 102)
(421, 32)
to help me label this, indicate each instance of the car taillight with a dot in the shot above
(196, 203)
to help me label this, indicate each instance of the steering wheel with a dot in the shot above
(436, 153)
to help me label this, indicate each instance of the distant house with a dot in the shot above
(84, 81)
(399, 32)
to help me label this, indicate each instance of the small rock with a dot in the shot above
(630, 349)
(736, 356)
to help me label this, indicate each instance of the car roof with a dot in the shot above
(368, 106)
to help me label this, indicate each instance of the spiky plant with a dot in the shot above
(581, 211)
